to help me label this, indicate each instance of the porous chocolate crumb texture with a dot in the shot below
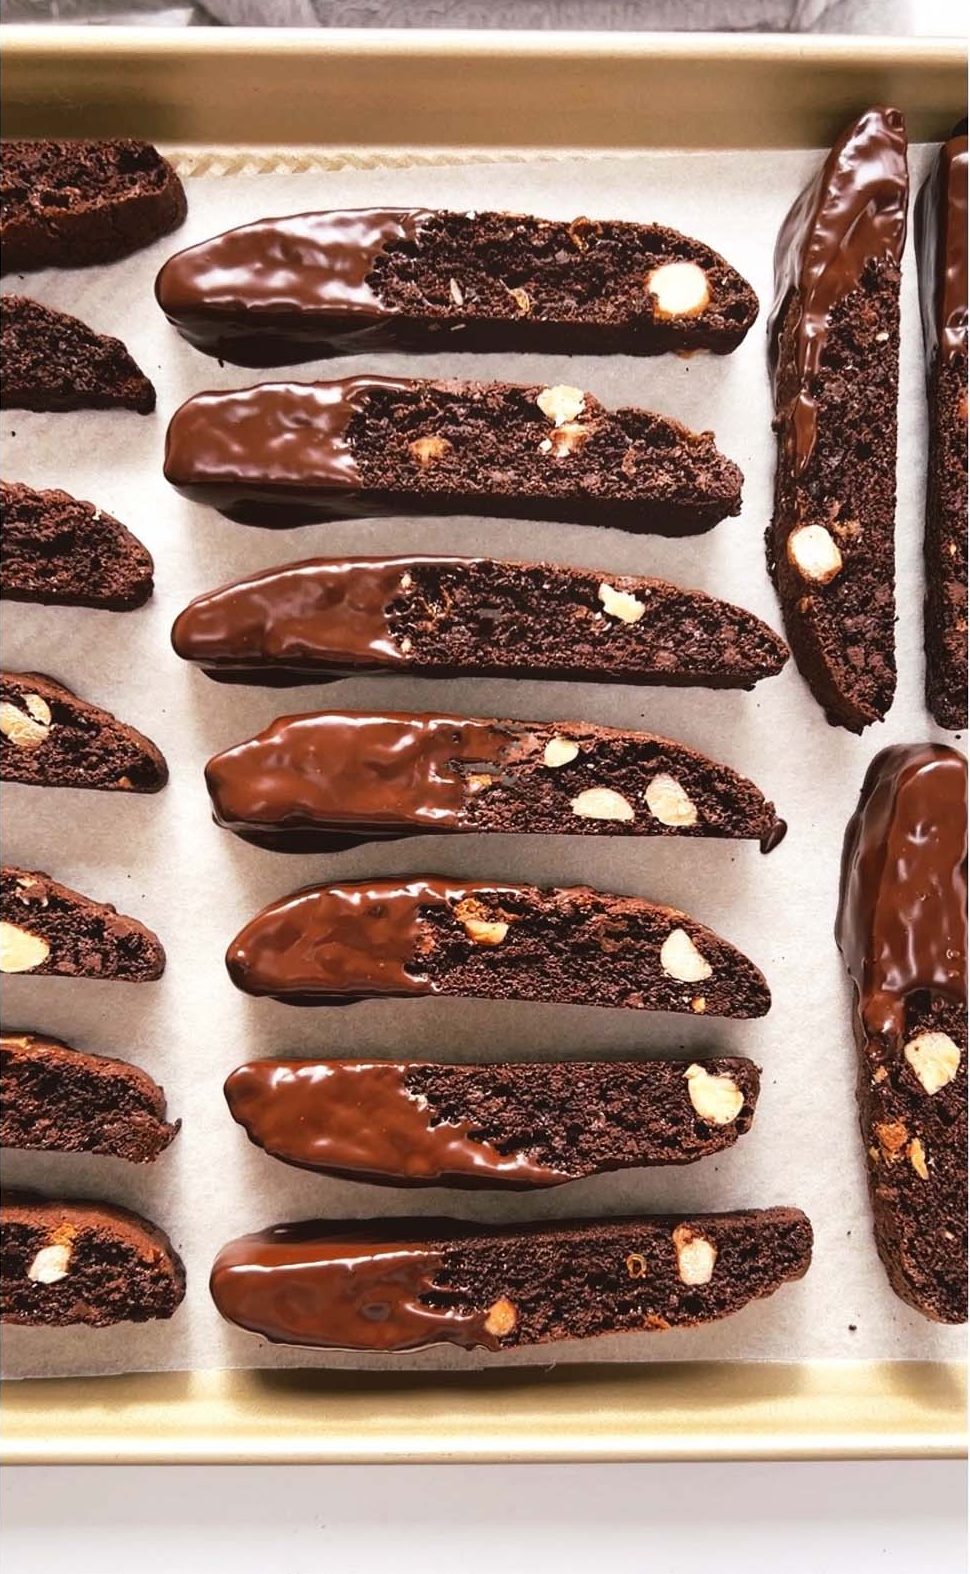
(834, 354)
(400, 1284)
(64, 1100)
(71, 204)
(445, 617)
(333, 779)
(83, 1262)
(57, 550)
(46, 928)
(50, 738)
(52, 361)
(292, 289)
(333, 944)
(528, 1124)
(290, 453)
(941, 240)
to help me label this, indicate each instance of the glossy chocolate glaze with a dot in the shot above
(324, 616)
(902, 921)
(370, 774)
(852, 214)
(248, 449)
(344, 941)
(363, 1288)
(286, 289)
(359, 1119)
(941, 248)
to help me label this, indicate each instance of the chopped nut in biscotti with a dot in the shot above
(680, 958)
(636, 1265)
(454, 290)
(559, 751)
(561, 403)
(716, 1099)
(917, 1158)
(814, 553)
(26, 729)
(478, 923)
(20, 951)
(669, 803)
(621, 604)
(522, 301)
(51, 1263)
(565, 440)
(427, 449)
(679, 289)
(502, 1318)
(934, 1058)
(696, 1256)
(892, 1137)
(602, 803)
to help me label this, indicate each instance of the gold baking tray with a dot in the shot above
(394, 96)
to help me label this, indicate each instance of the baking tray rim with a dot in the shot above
(658, 1411)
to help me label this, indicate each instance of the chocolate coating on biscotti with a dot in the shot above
(74, 204)
(941, 245)
(902, 929)
(834, 354)
(50, 738)
(291, 453)
(334, 944)
(59, 551)
(48, 929)
(57, 1099)
(402, 1284)
(291, 289)
(334, 778)
(56, 362)
(525, 1125)
(84, 1262)
(446, 616)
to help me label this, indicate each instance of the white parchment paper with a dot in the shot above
(163, 860)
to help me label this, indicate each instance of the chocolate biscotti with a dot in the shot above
(313, 284)
(332, 944)
(449, 616)
(56, 362)
(402, 1284)
(50, 738)
(530, 1124)
(59, 551)
(290, 453)
(334, 778)
(941, 243)
(834, 357)
(63, 1100)
(71, 204)
(48, 929)
(902, 929)
(84, 1262)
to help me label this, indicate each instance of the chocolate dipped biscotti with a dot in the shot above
(290, 453)
(941, 245)
(834, 359)
(62, 1100)
(312, 284)
(50, 738)
(449, 616)
(48, 929)
(902, 930)
(333, 944)
(59, 551)
(55, 362)
(72, 204)
(403, 1284)
(523, 1125)
(84, 1262)
(332, 779)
